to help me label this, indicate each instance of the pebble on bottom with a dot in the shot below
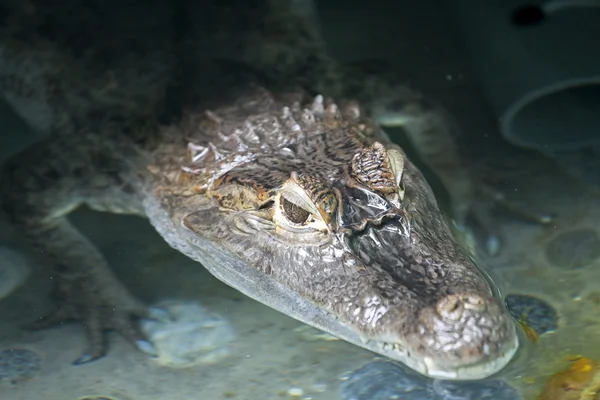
(536, 313)
(18, 365)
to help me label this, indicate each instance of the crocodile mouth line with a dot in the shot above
(427, 366)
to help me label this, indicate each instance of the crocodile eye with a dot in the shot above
(295, 214)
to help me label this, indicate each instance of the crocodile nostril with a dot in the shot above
(450, 308)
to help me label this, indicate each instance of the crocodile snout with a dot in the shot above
(465, 335)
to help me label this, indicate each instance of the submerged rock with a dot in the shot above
(189, 335)
(18, 365)
(536, 313)
(382, 380)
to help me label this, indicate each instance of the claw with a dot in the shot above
(545, 219)
(147, 347)
(86, 358)
(492, 245)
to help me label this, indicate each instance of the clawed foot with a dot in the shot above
(121, 315)
(482, 211)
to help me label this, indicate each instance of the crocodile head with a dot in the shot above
(304, 209)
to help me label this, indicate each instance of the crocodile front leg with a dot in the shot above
(39, 187)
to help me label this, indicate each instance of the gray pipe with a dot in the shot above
(540, 68)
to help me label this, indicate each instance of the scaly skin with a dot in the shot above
(369, 257)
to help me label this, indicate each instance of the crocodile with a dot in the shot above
(297, 200)
(305, 207)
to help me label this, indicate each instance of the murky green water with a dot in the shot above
(244, 350)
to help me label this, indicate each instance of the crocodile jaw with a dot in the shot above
(264, 288)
